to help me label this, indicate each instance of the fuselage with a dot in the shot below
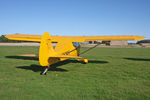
(71, 48)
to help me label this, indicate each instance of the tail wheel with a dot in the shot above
(85, 61)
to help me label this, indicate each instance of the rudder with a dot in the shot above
(46, 49)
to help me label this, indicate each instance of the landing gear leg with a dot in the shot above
(45, 70)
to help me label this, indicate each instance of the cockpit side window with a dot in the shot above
(76, 44)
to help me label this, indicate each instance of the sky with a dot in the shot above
(75, 17)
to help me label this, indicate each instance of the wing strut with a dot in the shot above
(89, 49)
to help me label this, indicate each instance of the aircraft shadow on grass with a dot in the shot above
(23, 57)
(37, 68)
(138, 59)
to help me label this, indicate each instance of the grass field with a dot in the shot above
(111, 74)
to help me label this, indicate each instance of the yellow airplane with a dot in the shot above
(67, 46)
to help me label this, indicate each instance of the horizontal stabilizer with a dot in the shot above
(29, 55)
(66, 56)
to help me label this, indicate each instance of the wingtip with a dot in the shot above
(140, 38)
(6, 36)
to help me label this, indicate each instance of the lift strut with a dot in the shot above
(89, 49)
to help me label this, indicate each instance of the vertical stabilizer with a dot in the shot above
(46, 49)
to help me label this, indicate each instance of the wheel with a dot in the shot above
(42, 73)
(85, 61)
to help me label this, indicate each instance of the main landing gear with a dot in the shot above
(45, 70)
(85, 61)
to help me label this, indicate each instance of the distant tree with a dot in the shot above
(106, 42)
(94, 42)
(90, 42)
(4, 39)
(143, 41)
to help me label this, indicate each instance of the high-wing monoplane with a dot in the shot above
(67, 46)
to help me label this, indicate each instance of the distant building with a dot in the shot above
(145, 44)
(111, 43)
(118, 43)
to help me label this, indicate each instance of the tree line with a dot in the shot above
(4, 39)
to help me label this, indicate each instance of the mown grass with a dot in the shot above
(111, 74)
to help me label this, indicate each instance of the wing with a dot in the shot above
(96, 38)
(37, 38)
